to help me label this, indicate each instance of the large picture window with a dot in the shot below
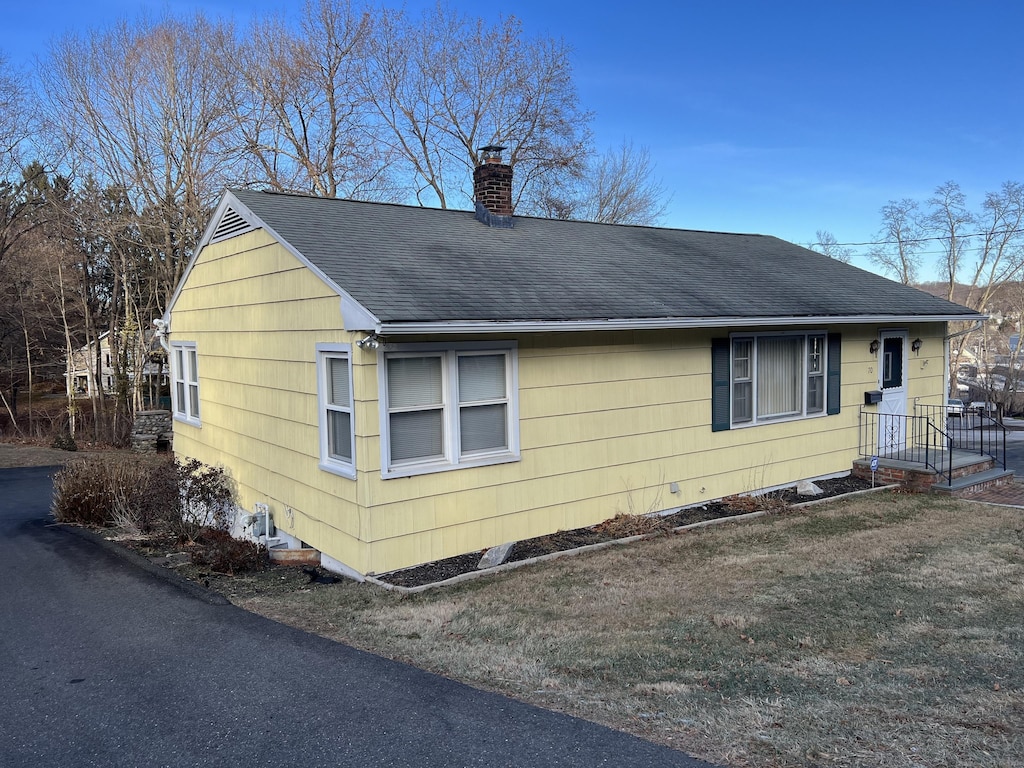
(448, 407)
(185, 375)
(337, 435)
(760, 378)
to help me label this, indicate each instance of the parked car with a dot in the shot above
(955, 407)
(980, 406)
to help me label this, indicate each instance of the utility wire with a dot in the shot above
(925, 239)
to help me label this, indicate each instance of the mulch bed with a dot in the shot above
(617, 528)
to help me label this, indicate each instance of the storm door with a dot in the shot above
(892, 380)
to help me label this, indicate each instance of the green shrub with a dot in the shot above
(64, 441)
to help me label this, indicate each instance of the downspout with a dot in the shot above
(163, 330)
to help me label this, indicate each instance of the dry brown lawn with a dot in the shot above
(886, 630)
(882, 630)
(28, 454)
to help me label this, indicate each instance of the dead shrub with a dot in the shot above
(622, 526)
(140, 495)
(220, 552)
(765, 502)
(205, 499)
(102, 491)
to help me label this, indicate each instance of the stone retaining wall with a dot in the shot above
(153, 432)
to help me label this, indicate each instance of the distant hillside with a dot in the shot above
(1007, 297)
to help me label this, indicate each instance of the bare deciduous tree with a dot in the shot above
(16, 126)
(618, 187)
(951, 223)
(901, 234)
(144, 107)
(981, 251)
(444, 85)
(828, 245)
(303, 118)
(14, 118)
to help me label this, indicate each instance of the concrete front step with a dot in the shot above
(978, 482)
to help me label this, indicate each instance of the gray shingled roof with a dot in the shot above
(409, 264)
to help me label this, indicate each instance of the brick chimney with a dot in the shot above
(492, 189)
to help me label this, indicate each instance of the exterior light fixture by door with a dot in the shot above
(873, 347)
(373, 341)
(916, 346)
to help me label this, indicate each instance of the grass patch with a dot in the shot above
(886, 630)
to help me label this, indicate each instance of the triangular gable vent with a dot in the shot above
(231, 223)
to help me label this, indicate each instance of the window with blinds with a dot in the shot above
(777, 377)
(448, 407)
(337, 436)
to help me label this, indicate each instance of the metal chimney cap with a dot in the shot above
(492, 153)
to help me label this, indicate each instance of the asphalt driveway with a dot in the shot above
(106, 665)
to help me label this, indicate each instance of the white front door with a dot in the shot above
(892, 380)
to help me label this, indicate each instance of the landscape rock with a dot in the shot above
(495, 555)
(807, 488)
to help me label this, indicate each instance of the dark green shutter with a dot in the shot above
(719, 385)
(835, 359)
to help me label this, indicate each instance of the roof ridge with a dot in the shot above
(546, 219)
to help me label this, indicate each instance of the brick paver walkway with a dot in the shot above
(1011, 494)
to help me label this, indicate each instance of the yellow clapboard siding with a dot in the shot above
(571, 370)
(248, 255)
(256, 315)
(612, 422)
(607, 421)
(536, 402)
(724, 471)
(613, 342)
(288, 345)
(475, 534)
(282, 287)
(313, 314)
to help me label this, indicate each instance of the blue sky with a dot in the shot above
(778, 118)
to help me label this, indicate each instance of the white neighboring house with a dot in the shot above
(80, 377)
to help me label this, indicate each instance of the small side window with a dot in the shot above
(185, 376)
(337, 433)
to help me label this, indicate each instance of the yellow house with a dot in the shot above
(399, 385)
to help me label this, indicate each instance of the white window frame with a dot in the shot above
(329, 463)
(450, 407)
(185, 409)
(752, 380)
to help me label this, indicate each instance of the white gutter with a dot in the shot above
(979, 322)
(656, 323)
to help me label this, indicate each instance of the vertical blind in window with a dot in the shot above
(779, 367)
